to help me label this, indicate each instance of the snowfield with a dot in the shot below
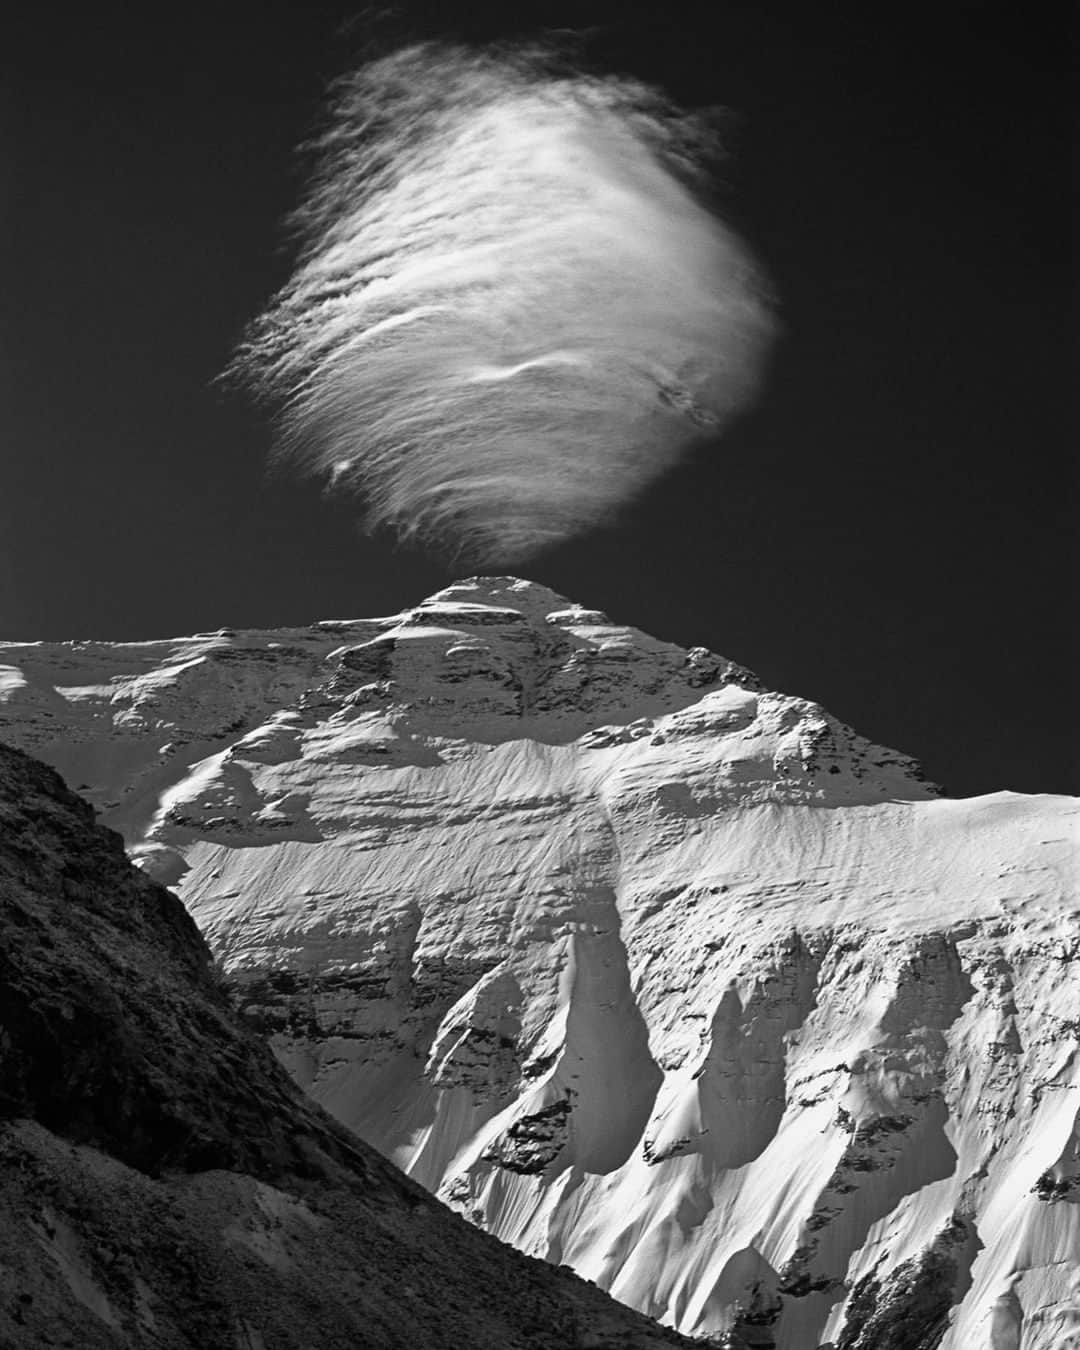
(645, 969)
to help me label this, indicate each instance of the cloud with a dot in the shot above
(512, 308)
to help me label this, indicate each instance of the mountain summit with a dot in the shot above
(644, 968)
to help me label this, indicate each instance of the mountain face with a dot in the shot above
(163, 1183)
(641, 967)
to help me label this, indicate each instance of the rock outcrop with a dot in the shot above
(644, 968)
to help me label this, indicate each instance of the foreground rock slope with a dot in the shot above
(640, 966)
(162, 1181)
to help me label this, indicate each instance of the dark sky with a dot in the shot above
(888, 532)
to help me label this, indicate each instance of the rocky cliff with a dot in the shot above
(642, 967)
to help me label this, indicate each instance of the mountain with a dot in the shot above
(163, 1181)
(643, 968)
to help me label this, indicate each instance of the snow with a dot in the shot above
(644, 968)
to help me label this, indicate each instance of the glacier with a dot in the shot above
(642, 967)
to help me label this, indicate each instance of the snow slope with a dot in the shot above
(644, 968)
(164, 1185)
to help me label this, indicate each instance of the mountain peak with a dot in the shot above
(528, 597)
(641, 966)
(484, 662)
(531, 600)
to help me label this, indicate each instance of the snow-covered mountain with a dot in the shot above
(644, 968)
(164, 1185)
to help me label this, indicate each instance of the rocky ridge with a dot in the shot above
(642, 967)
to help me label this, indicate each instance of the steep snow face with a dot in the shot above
(644, 968)
(163, 1183)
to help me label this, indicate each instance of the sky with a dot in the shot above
(888, 531)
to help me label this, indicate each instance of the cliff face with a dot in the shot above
(162, 1181)
(640, 966)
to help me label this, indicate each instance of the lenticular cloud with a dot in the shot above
(512, 307)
